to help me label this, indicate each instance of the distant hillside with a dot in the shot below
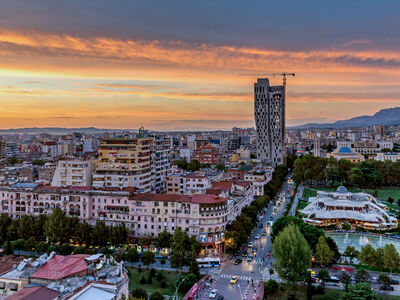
(388, 116)
(56, 130)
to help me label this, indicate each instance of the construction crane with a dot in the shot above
(272, 74)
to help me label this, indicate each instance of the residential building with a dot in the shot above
(74, 172)
(160, 150)
(207, 155)
(269, 114)
(3, 149)
(124, 162)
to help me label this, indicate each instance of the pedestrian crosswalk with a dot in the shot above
(241, 277)
(255, 261)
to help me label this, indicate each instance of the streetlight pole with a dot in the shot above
(176, 291)
(240, 290)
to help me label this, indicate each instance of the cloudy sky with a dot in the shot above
(176, 64)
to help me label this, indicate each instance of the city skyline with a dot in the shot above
(75, 65)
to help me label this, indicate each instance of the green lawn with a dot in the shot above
(302, 204)
(385, 193)
(307, 193)
(168, 276)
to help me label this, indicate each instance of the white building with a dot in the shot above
(160, 151)
(387, 156)
(73, 173)
(259, 178)
(269, 114)
(357, 209)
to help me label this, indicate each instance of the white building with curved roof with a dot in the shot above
(358, 209)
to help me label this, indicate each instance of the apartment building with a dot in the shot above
(207, 155)
(160, 151)
(187, 183)
(145, 214)
(124, 162)
(259, 178)
(73, 172)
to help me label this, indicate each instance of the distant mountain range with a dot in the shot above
(388, 116)
(57, 130)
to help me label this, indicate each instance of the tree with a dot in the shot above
(345, 279)
(346, 226)
(368, 255)
(351, 252)
(271, 287)
(323, 254)
(8, 248)
(148, 258)
(5, 222)
(132, 255)
(324, 276)
(25, 227)
(139, 293)
(100, 234)
(42, 247)
(12, 160)
(39, 227)
(194, 266)
(178, 249)
(164, 240)
(83, 233)
(30, 244)
(380, 258)
(220, 167)
(390, 200)
(271, 272)
(18, 244)
(293, 255)
(157, 296)
(56, 227)
(391, 257)
(359, 291)
(384, 279)
(362, 275)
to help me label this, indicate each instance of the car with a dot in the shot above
(234, 279)
(250, 244)
(249, 258)
(159, 256)
(386, 288)
(394, 281)
(271, 218)
(213, 294)
(245, 253)
(237, 261)
(220, 297)
(264, 233)
(257, 236)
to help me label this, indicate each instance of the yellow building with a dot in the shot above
(124, 162)
(345, 152)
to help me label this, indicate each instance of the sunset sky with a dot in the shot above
(175, 65)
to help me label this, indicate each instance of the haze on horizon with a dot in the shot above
(174, 64)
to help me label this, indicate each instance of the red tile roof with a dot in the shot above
(34, 293)
(207, 199)
(8, 262)
(160, 197)
(223, 185)
(60, 267)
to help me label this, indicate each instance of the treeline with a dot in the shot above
(238, 231)
(332, 172)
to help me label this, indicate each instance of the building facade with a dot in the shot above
(269, 114)
(124, 162)
(73, 173)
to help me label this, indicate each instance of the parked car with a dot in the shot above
(249, 258)
(213, 294)
(394, 281)
(386, 288)
(237, 261)
(245, 253)
(257, 236)
(220, 297)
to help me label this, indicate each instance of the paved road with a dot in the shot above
(258, 268)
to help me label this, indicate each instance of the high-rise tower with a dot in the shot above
(269, 114)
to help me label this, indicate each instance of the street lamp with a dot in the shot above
(240, 290)
(176, 291)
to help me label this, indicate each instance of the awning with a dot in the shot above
(2, 284)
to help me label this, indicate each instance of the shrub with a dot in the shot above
(163, 285)
(150, 280)
(42, 247)
(159, 275)
(139, 293)
(152, 273)
(143, 280)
